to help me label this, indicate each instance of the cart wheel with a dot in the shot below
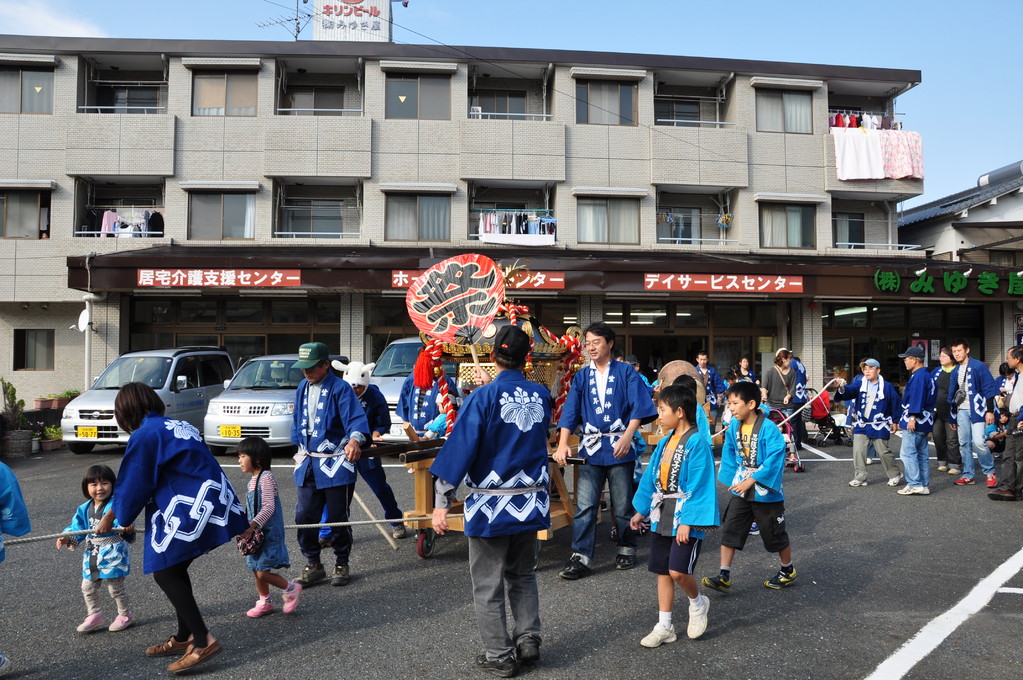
(798, 468)
(425, 543)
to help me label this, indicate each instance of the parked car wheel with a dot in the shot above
(217, 450)
(79, 447)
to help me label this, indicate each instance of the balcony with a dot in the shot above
(865, 189)
(709, 158)
(318, 146)
(511, 149)
(120, 144)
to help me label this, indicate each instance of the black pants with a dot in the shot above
(177, 586)
(309, 510)
(946, 442)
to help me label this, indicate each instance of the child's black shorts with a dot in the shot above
(739, 517)
(666, 553)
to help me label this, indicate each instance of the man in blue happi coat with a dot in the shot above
(418, 406)
(971, 394)
(608, 402)
(498, 446)
(714, 384)
(329, 426)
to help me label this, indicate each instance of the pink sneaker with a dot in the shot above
(92, 622)
(263, 607)
(291, 596)
(121, 622)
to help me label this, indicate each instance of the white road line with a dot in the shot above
(818, 452)
(934, 633)
(1014, 591)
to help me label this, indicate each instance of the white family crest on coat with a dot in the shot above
(182, 430)
(522, 409)
(520, 506)
(213, 503)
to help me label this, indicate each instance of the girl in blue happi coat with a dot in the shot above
(106, 557)
(677, 493)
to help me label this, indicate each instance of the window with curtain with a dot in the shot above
(23, 214)
(787, 226)
(418, 218)
(221, 216)
(678, 225)
(848, 228)
(499, 103)
(418, 97)
(33, 350)
(784, 111)
(600, 102)
(26, 91)
(313, 101)
(608, 220)
(676, 112)
(224, 94)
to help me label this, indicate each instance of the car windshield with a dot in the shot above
(149, 370)
(267, 374)
(398, 359)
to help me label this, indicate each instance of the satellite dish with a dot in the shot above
(84, 320)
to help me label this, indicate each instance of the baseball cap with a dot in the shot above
(870, 362)
(631, 359)
(511, 343)
(913, 351)
(310, 354)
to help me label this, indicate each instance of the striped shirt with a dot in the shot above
(267, 491)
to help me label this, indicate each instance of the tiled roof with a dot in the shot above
(954, 203)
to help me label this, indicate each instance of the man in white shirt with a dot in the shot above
(1010, 479)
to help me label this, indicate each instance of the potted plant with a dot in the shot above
(44, 402)
(52, 438)
(65, 397)
(17, 439)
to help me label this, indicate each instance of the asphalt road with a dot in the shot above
(874, 569)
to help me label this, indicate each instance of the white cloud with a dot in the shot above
(31, 17)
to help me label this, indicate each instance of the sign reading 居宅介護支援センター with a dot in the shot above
(950, 282)
(218, 278)
(352, 20)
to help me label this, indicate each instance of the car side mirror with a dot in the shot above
(180, 383)
(226, 383)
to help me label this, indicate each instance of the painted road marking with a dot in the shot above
(820, 453)
(934, 633)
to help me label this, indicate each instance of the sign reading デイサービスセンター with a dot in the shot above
(724, 283)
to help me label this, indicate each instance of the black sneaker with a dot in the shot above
(721, 582)
(313, 573)
(528, 650)
(341, 576)
(575, 569)
(507, 667)
(783, 579)
(625, 562)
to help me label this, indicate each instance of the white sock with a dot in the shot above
(664, 619)
(694, 601)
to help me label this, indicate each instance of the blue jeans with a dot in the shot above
(915, 455)
(971, 441)
(584, 524)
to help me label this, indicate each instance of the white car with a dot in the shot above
(394, 365)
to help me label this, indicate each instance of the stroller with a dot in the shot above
(819, 413)
(792, 458)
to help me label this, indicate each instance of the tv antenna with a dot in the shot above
(301, 20)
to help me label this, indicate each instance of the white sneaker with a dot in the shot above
(698, 618)
(895, 481)
(914, 491)
(857, 482)
(906, 491)
(870, 461)
(658, 636)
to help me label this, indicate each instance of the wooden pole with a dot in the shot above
(380, 527)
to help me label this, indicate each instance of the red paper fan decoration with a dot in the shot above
(456, 298)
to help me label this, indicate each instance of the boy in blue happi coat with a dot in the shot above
(752, 463)
(498, 446)
(677, 492)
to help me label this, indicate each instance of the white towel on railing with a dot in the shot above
(858, 153)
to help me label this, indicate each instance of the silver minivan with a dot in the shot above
(186, 379)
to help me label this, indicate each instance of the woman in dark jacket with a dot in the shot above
(946, 439)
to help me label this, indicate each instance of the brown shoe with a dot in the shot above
(172, 646)
(195, 656)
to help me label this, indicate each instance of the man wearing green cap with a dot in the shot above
(328, 427)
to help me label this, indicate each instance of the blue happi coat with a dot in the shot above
(980, 385)
(887, 404)
(190, 505)
(698, 508)
(113, 558)
(13, 513)
(626, 398)
(799, 389)
(770, 463)
(918, 398)
(714, 384)
(374, 404)
(419, 408)
(500, 442)
(339, 417)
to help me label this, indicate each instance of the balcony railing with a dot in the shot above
(322, 112)
(122, 109)
(485, 115)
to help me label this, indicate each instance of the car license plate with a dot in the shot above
(230, 430)
(88, 432)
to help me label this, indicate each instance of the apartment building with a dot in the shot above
(261, 194)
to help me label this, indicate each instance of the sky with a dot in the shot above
(965, 108)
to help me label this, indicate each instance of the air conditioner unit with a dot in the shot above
(475, 111)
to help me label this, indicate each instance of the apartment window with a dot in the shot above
(311, 218)
(33, 350)
(422, 97)
(418, 218)
(787, 226)
(678, 225)
(313, 101)
(224, 94)
(848, 230)
(26, 91)
(221, 216)
(676, 112)
(784, 111)
(605, 103)
(608, 220)
(24, 214)
(499, 104)
(129, 99)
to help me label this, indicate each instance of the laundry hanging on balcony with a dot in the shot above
(517, 227)
(877, 154)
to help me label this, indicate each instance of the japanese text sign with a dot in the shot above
(724, 283)
(352, 20)
(402, 278)
(219, 278)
